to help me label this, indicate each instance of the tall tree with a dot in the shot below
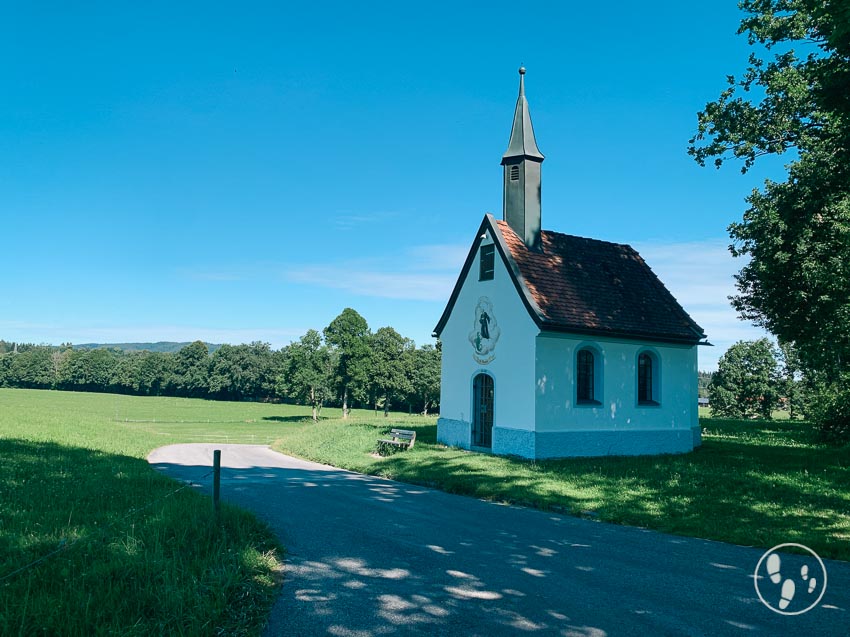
(242, 372)
(154, 373)
(190, 375)
(125, 373)
(348, 334)
(391, 361)
(794, 96)
(745, 383)
(309, 370)
(425, 377)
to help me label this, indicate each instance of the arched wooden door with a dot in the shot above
(482, 414)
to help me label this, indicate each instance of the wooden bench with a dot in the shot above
(399, 439)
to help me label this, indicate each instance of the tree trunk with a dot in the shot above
(425, 409)
(345, 403)
(313, 404)
(386, 405)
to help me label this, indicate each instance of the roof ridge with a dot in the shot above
(573, 236)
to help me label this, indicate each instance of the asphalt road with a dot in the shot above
(368, 557)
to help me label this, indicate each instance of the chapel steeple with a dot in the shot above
(522, 160)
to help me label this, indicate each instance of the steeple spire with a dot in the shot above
(522, 160)
(522, 143)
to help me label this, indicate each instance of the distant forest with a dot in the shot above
(347, 362)
(162, 346)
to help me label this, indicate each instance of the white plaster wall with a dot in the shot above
(556, 408)
(513, 364)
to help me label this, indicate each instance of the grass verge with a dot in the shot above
(751, 483)
(126, 551)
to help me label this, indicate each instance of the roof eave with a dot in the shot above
(488, 223)
(548, 326)
(467, 264)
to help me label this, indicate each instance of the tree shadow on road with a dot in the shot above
(369, 557)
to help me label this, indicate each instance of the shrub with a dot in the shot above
(830, 410)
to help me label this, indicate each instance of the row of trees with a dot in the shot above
(347, 364)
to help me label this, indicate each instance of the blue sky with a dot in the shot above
(181, 171)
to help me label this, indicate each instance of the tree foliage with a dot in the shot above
(87, 370)
(425, 377)
(745, 384)
(794, 96)
(236, 371)
(348, 334)
(191, 370)
(391, 361)
(32, 368)
(829, 408)
(308, 371)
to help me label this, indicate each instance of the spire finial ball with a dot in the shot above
(522, 70)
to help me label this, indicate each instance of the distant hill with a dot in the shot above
(162, 346)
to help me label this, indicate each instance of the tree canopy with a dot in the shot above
(425, 377)
(745, 384)
(348, 334)
(793, 98)
(308, 371)
(390, 366)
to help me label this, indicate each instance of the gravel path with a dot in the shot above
(368, 557)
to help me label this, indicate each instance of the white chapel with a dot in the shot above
(556, 345)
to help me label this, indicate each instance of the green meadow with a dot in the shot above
(123, 551)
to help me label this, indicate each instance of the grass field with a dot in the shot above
(753, 483)
(126, 555)
(139, 559)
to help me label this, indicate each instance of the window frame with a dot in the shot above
(648, 388)
(588, 370)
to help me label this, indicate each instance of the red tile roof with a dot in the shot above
(586, 285)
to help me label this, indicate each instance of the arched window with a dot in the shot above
(648, 377)
(585, 385)
(514, 173)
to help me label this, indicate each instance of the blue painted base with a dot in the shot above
(572, 444)
(454, 433)
(697, 432)
(513, 442)
(568, 444)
